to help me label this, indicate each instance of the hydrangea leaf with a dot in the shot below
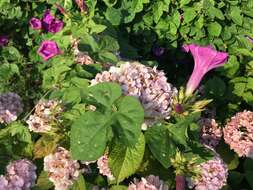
(88, 136)
(43, 182)
(105, 93)
(160, 144)
(124, 161)
(79, 184)
(127, 120)
(229, 157)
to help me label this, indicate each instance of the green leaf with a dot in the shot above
(234, 179)
(68, 4)
(124, 161)
(110, 3)
(88, 43)
(214, 29)
(105, 93)
(88, 136)
(215, 87)
(79, 184)
(160, 144)
(127, 120)
(16, 139)
(43, 182)
(249, 177)
(108, 43)
(189, 14)
(158, 8)
(235, 14)
(229, 157)
(184, 2)
(118, 187)
(248, 164)
(113, 15)
(107, 57)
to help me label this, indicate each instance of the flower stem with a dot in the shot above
(180, 182)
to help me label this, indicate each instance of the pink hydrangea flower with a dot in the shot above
(211, 133)
(238, 133)
(48, 49)
(21, 175)
(35, 23)
(62, 170)
(213, 175)
(50, 23)
(147, 84)
(205, 59)
(103, 167)
(149, 183)
(10, 107)
(3, 182)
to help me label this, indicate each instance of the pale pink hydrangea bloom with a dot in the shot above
(103, 166)
(147, 84)
(37, 124)
(10, 107)
(149, 183)
(213, 175)
(81, 58)
(211, 133)
(45, 113)
(238, 133)
(3, 183)
(62, 170)
(20, 175)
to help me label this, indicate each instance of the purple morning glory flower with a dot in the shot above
(205, 59)
(55, 26)
(3, 40)
(35, 23)
(158, 51)
(50, 23)
(48, 49)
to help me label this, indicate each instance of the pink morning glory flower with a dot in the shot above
(3, 41)
(48, 49)
(35, 23)
(50, 23)
(205, 59)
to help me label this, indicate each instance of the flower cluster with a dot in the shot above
(21, 175)
(10, 107)
(213, 175)
(48, 23)
(211, 133)
(81, 58)
(62, 170)
(148, 84)
(238, 133)
(103, 167)
(149, 183)
(45, 114)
